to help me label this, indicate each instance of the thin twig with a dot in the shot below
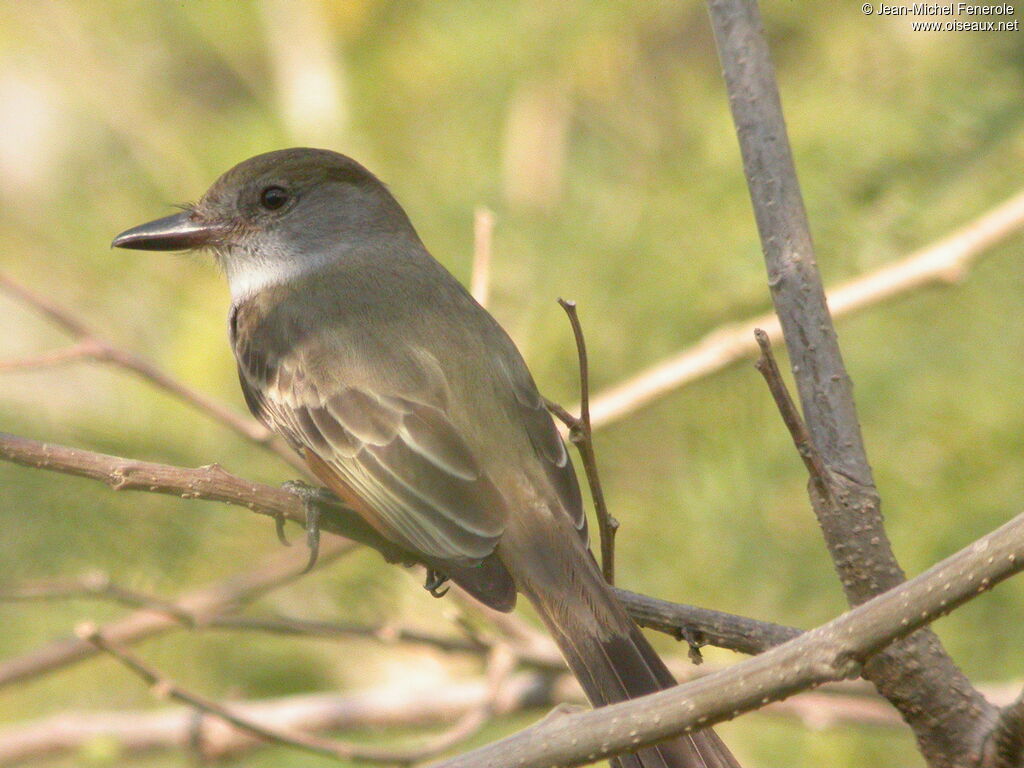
(199, 604)
(385, 633)
(582, 436)
(94, 584)
(166, 688)
(941, 263)
(500, 664)
(92, 346)
(791, 417)
(97, 585)
(834, 651)
(82, 350)
(399, 704)
(483, 241)
(213, 483)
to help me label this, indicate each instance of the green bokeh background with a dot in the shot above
(600, 136)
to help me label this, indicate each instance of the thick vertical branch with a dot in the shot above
(916, 675)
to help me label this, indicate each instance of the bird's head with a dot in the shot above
(279, 214)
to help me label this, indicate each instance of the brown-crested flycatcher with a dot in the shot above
(409, 401)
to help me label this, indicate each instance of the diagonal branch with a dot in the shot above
(213, 483)
(395, 705)
(941, 263)
(917, 676)
(92, 346)
(833, 651)
(199, 604)
(166, 688)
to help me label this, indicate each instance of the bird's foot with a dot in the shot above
(695, 640)
(434, 583)
(312, 497)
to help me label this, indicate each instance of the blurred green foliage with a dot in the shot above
(599, 133)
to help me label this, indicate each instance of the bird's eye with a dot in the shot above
(273, 198)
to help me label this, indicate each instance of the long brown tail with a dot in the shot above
(607, 652)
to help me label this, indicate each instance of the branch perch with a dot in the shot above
(942, 263)
(917, 676)
(91, 346)
(213, 483)
(200, 604)
(833, 651)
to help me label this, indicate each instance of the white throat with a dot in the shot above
(248, 276)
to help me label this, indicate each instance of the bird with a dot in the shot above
(410, 402)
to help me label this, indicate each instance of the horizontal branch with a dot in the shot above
(834, 651)
(946, 261)
(97, 585)
(214, 483)
(704, 626)
(211, 483)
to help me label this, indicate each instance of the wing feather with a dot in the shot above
(402, 456)
(548, 445)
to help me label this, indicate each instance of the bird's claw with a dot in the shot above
(436, 580)
(279, 520)
(311, 497)
(695, 640)
(312, 535)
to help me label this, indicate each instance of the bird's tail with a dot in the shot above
(611, 658)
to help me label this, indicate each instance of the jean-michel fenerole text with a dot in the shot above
(937, 9)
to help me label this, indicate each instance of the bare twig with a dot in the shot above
(396, 705)
(92, 346)
(941, 263)
(500, 664)
(833, 651)
(483, 241)
(83, 350)
(165, 688)
(705, 626)
(213, 483)
(791, 417)
(99, 586)
(200, 604)
(385, 633)
(916, 676)
(582, 436)
(95, 584)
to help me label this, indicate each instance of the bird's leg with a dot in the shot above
(695, 640)
(435, 580)
(312, 497)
